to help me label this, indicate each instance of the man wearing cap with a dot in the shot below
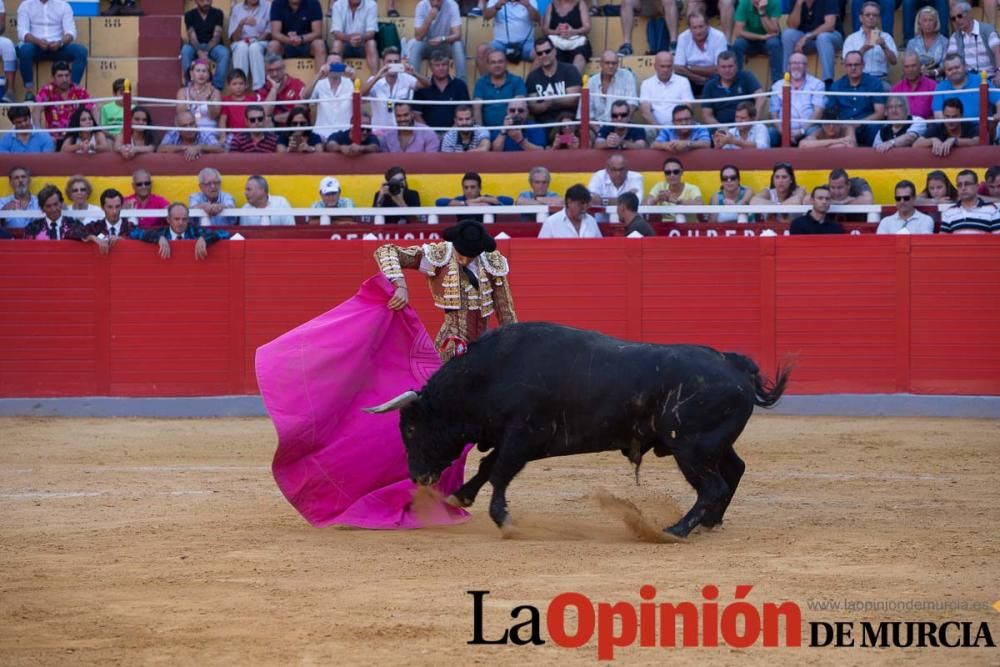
(329, 192)
(467, 277)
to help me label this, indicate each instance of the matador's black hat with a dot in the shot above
(470, 238)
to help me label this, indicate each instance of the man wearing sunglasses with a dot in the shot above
(144, 198)
(617, 137)
(907, 219)
(256, 140)
(551, 85)
(978, 43)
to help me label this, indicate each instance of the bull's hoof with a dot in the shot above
(677, 530)
(507, 530)
(458, 501)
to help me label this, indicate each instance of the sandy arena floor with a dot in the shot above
(166, 542)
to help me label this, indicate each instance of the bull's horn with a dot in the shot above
(403, 399)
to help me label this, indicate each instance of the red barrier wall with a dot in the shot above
(860, 314)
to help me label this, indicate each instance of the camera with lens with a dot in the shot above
(513, 53)
(395, 188)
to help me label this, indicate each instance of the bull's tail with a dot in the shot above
(766, 391)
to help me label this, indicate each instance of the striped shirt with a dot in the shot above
(983, 218)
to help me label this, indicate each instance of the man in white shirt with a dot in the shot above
(249, 30)
(615, 179)
(808, 100)
(698, 49)
(907, 219)
(877, 48)
(572, 222)
(394, 81)
(353, 26)
(663, 91)
(514, 24)
(258, 197)
(333, 90)
(437, 24)
(47, 32)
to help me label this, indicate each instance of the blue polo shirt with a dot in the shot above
(851, 107)
(535, 135)
(745, 83)
(631, 133)
(698, 133)
(968, 94)
(493, 114)
(38, 142)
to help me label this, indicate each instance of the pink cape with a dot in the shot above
(334, 463)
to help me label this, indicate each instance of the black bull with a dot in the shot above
(533, 390)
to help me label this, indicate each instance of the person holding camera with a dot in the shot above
(514, 137)
(395, 80)
(514, 24)
(395, 194)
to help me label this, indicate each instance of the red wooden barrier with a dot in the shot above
(863, 314)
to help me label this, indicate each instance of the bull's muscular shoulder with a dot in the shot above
(437, 254)
(495, 263)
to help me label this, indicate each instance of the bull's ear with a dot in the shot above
(403, 399)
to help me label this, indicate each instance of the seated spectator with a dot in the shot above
(80, 209)
(613, 83)
(943, 138)
(929, 45)
(179, 228)
(196, 97)
(663, 91)
(814, 27)
(142, 140)
(729, 82)
(234, 117)
(396, 193)
(353, 27)
(257, 140)
(564, 137)
(211, 200)
(249, 33)
(467, 137)
(757, 31)
(818, 220)
(608, 184)
(783, 189)
(971, 215)
(886, 14)
(573, 221)
(112, 112)
(279, 86)
(514, 137)
(914, 81)
(47, 31)
(442, 87)
(856, 107)
(472, 195)
(437, 28)
(189, 140)
(550, 84)
(302, 139)
(514, 24)
(111, 228)
(296, 31)
(743, 136)
(905, 129)
(830, 135)
(496, 84)
(907, 219)
(203, 30)
(24, 139)
(937, 190)
(329, 197)
(8, 59)
(990, 187)
(393, 82)
(567, 23)
(731, 193)
(698, 50)
(20, 199)
(84, 141)
(61, 89)
(620, 138)
(966, 88)
(846, 190)
(628, 215)
(808, 99)
(877, 48)
(259, 198)
(144, 198)
(332, 93)
(53, 226)
(539, 180)
(650, 10)
(341, 142)
(409, 136)
(686, 135)
(977, 43)
(673, 189)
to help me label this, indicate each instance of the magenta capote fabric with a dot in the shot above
(335, 463)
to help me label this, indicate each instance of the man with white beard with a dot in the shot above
(807, 105)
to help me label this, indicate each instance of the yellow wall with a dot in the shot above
(302, 191)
